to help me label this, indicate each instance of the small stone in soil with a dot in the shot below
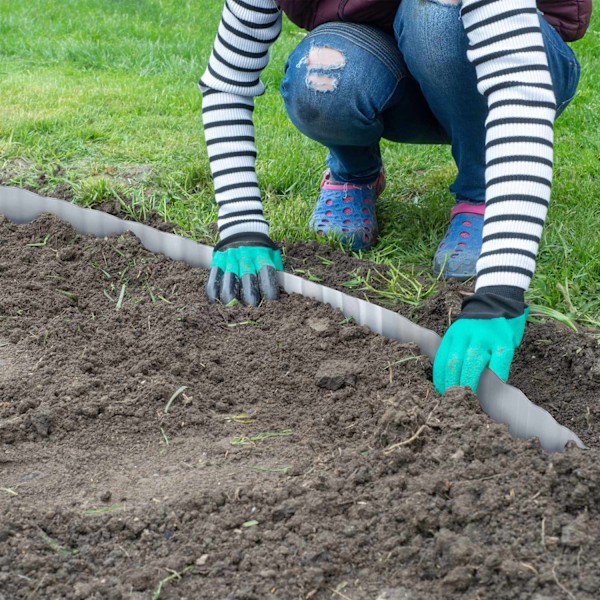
(105, 496)
(335, 374)
(575, 534)
(42, 423)
(318, 325)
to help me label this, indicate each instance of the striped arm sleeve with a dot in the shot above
(507, 49)
(229, 84)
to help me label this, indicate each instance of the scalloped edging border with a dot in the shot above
(501, 402)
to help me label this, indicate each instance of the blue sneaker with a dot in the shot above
(457, 254)
(348, 210)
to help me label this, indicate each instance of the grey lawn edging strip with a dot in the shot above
(501, 402)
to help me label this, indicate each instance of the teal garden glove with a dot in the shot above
(244, 267)
(488, 330)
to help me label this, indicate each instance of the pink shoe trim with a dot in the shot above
(464, 208)
(326, 184)
(340, 187)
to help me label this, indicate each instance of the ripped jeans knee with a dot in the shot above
(311, 89)
(325, 90)
(322, 62)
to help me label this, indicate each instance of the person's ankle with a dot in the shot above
(470, 201)
(359, 181)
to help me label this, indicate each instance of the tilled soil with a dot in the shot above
(156, 446)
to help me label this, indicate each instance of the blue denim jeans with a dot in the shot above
(416, 87)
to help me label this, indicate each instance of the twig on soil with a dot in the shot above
(105, 292)
(121, 297)
(338, 593)
(403, 360)
(399, 362)
(166, 580)
(559, 584)
(243, 323)
(414, 436)
(543, 532)
(177, 393)
(9, 491)
(242, 418)
(259, 437)
(530, 567)
(164, 436)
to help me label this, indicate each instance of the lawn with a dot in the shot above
(99, 102)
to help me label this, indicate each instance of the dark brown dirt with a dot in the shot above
(555, 367)
(373, 488)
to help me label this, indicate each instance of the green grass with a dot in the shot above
(99, 102)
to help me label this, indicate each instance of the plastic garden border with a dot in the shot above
(500, 401)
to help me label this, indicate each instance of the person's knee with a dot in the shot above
(308, 89)
(315, 70)
(334, 88)
(321, 64)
